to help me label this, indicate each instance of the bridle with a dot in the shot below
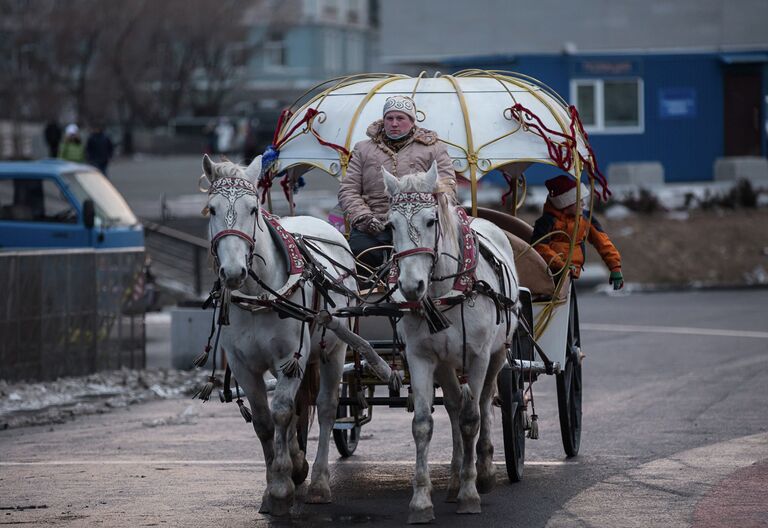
(408, 204)
(233, 189)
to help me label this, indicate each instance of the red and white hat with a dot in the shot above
(562, 191)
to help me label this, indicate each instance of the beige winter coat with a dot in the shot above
(362, 190)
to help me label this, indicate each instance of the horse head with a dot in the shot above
(233, 209)
(413, 218)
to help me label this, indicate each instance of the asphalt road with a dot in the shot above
(675, 434)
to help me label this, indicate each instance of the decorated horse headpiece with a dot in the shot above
(232, 189)
(410, 203)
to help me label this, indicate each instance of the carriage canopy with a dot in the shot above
(486, 119)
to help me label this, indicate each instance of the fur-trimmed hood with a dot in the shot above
(420, 135)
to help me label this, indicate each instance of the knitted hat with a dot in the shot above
(562, 191)
(71, 130)
(400, 103)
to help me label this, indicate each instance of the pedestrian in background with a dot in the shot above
(71, 148)
(99, 149)
(52, 134)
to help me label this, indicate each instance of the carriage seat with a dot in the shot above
(531, 268)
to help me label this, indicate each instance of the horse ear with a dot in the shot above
(208, 167)
(390, 182)
(431, 177)
(253, 171)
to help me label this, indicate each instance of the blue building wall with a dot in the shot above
(686, 146)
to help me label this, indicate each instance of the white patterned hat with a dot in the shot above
(400, 103)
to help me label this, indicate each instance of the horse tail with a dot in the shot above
(306, 398)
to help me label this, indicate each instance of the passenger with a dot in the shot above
(400, 146)
(553, 230)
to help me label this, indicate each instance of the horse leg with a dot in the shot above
(486, 471)
(298, 456)
(281, 487)
(446, 377)
(469, 424)
(422, 381)
(327, 404)
(265, 431)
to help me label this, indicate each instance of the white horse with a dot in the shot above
(250, 263)
(465, 357)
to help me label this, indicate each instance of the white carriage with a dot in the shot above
(487, 120)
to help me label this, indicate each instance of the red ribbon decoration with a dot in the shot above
(562, 153)
(266, 180)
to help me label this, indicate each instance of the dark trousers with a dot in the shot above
(359, 242)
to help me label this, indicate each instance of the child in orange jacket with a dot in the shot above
(553, 230)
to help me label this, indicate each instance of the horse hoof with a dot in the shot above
(280, 507)
(469, 505)
(424, 516)
(485, 484)
(317, 495)
(452, 495)
(300, 475)
(266, 506)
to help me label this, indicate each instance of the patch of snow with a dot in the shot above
(617, 212)
(681, 216)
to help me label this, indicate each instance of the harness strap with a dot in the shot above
(231, 232)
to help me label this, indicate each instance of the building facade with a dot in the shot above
(681, 83)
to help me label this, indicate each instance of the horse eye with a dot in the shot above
(212, 211)
(430, 222)
(253, 211)
(390, 225)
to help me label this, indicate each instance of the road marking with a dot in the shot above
(681, 330)
(666, 492)
(144, 462)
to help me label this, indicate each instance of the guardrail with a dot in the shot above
(180, 261)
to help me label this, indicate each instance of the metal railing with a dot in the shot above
(180, 261)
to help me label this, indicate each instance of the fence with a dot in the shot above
(180, 261)
(70, 312)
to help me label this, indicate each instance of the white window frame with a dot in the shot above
(599, 126)
(275, 48)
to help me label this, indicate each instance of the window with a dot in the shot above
(609, 106)
(110, 207)
(334, 47)
(355, 53)
(274, 52)
(34, 200)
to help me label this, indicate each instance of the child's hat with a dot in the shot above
(562, 191)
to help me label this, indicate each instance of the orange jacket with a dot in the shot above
(554, 248)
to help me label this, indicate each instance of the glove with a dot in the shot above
(370, 224)
(617, 279)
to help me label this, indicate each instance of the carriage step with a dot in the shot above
(535, 367)
(345, 424)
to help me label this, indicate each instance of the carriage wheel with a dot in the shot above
(512, 419)
(569, 385)
(346, 439)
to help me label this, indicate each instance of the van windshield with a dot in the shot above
(111, 208)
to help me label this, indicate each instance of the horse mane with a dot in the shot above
(228, 169)
(446, 214)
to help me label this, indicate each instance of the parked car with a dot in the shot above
(58, 204)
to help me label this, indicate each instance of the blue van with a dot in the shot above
(59, 204)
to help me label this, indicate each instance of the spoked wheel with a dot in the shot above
(513, 422)
(346, 439)
(569, 385)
